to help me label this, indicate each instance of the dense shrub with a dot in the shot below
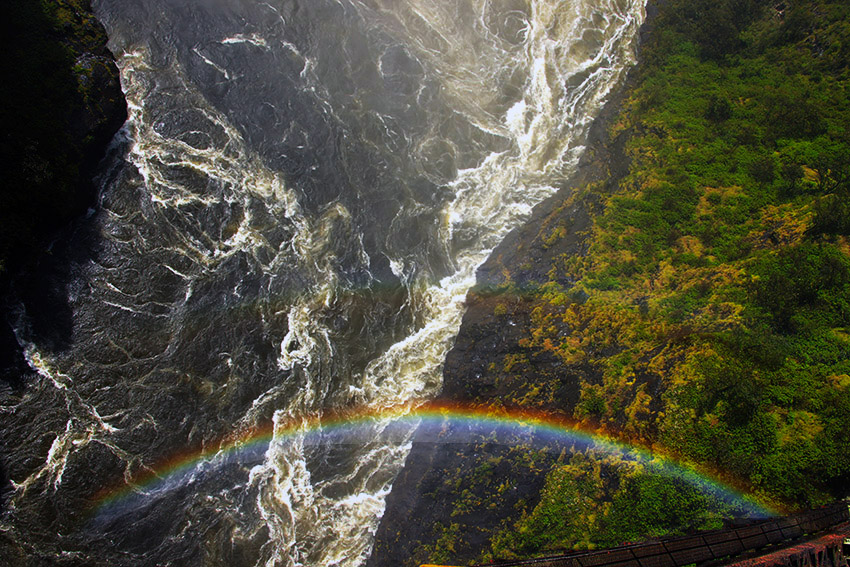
(716, 313)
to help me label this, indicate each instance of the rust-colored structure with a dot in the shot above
(810, 539)
(825, 551)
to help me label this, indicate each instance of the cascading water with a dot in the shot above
(306, 191)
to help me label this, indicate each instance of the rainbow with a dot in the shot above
(439, 423)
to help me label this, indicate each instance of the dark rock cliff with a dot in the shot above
(62, 105)
(423, 521)
(421, 507)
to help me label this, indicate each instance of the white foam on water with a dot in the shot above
(546, 129)
(531, 78)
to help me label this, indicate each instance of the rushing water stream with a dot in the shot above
(305, 190)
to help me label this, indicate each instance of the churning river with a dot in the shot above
(287, 227)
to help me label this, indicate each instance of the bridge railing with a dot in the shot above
(700, 548)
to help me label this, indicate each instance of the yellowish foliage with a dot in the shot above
(690, 245)
(720, 194)
(810, 174)
(843, 244)
(840, 381)
(781, 225)
(798, 426)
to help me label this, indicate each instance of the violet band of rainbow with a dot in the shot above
(350, 423)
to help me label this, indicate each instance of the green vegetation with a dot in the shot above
(601, 500)
(566, 515)
(444, 550)
(61, 104)
(710, 317)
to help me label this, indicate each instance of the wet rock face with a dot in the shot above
(447, 491)
(450, 500)
(63, 106)
(58, 121)
(101, 109)
(235, 317)
(104, 109)
(427, 516)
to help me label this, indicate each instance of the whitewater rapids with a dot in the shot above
(287, 225)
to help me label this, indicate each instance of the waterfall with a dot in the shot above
(304, 193)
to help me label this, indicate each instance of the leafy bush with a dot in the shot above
(652, 504)
(801, 287)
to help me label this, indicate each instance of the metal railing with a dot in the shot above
(700, 548)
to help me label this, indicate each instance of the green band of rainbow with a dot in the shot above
(539, 422)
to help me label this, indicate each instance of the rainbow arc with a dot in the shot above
(433, 422)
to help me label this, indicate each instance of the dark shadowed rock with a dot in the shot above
(422, 507)
(62, 105)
